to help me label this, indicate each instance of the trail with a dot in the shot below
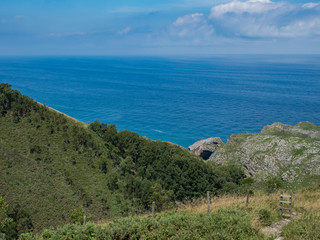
(275, 229)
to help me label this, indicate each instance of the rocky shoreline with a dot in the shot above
(292, 152)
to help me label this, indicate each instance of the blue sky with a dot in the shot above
(167, 27)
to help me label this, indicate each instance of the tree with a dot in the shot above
(127, 165)
(162, 198)
(76, 215)
(5, 220)
(273, 184)
(21, 222)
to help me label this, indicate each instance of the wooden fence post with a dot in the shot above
(281, 198)
(153, 208)
(247, 202)
(84, 220)
(3, 236)
(290, 212)
(208, 201)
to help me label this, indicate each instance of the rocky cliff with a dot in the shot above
(204, 148)
(279, 149)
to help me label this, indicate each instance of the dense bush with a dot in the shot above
(168, 165)
(265, 216)
(273, 184)
(5, 219)
(13, 220)
(222, 225)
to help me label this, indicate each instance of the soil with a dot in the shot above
(275, 229)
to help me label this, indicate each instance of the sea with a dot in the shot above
(175, 99)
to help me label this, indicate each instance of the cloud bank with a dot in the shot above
(253, 19)
(169, 27)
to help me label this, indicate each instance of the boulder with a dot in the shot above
(204, 148)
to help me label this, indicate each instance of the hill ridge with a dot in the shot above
(52, 166)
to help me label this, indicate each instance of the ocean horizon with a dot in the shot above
(175, 99)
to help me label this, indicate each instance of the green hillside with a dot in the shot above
(52, 167)
(229, 218)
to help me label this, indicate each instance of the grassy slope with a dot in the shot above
(51, 164)
(229, 219)
(46, 176)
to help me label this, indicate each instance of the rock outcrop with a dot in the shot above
(301, 130)
(279, 149)
(204, 148)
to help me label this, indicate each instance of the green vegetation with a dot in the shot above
(306, 227)
(230, 218)
(308, 126)
(296, 152)
(283, 151)
(302, 130)
(244, 135)
(265, 217)
(171, 225)
(54, 169)
(306, 224)
(5, 220)
(77, 215)
(273, 184)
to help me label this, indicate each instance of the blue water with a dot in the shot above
(180, 100)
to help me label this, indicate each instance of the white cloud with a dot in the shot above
(189, 19)
(301, 28)
(264, 18)
(125, 31)
(310, 5)
(238, 7)
(192, 25)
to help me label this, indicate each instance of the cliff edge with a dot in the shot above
(293, 152)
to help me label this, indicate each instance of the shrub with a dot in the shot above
(47, 234)
(5, 220)
(306, 227)
(27, 236)
(265, 216)
(273, 184)
(76, 215)
(171, 225)
(247, 182)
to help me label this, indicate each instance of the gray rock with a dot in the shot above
(292, 152)
(301, 130)
(204, 148)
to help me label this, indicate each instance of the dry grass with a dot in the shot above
(304, 201)
(232, 203)
(256, 203)
(307, 201)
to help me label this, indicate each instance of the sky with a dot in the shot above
(166, 27)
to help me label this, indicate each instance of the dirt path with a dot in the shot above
(275, 229)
